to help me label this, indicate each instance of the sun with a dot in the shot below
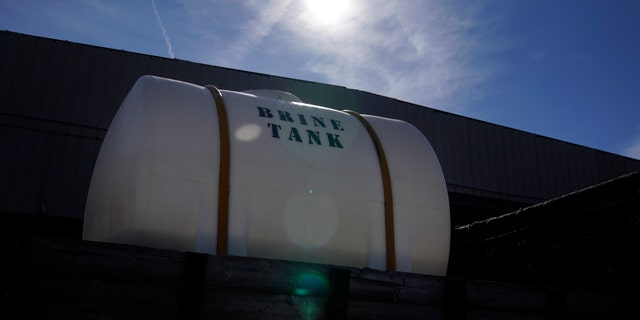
(326, 12)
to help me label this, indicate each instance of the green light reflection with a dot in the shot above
(311, 289)
(310, 283)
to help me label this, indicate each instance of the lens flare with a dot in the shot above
(312, 289)
(310, 284)
(248, 132)
(310, 219)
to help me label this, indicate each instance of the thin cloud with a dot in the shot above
(633, 149)
(426, 52)
(256, 26)
(422, 52)
(163, 29)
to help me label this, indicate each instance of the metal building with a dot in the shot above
(58, 99)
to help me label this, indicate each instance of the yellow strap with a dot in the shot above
(223, 182)
(386, 186)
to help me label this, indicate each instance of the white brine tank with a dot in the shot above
(261, 174)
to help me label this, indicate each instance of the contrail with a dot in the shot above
(164, 31)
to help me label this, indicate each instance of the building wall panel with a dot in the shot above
(185, 70)
(129, 71)
(363, 104)
(27, 49)
(453, 148)
(70, 69)
(342, 99)
(630, 165)
(580, 165)
(514, 161)
(479, 150)
(36, 84)
(55, 97)
(7, 139)
(35, 155)
(604, 166)
(566, 183)
(531, 166)
(496, 157)
(89, 86)
(8, 70)
(81, 87)
(282, 84)
(591, 170)
(573, 167)
(558, 176)
(376, 105)
(98, 87)
(61, 178)
(12, 168)
(419, 117)
(21, 190)
(238, 81)
(616, 166)
(114, 89)
(546, 167)
(214, 76)
(304, 91)
(545, 164)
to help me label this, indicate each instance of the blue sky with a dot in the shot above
(566, 69)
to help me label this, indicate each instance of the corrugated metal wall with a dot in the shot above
(58, 99)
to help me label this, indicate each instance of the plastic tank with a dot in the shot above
(304, 182)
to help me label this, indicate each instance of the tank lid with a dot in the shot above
(274, 94)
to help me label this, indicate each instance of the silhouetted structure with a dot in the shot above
(58, 99)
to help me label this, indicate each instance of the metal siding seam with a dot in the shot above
(388, 195)
(223, 182)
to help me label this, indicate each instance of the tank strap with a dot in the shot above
(223, 182)
(386, 186)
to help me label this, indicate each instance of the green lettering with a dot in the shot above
(274, 130)
(333, 140)
(294, 135)
(318, 121)
(264, 112)
(285, 116)
(315, 135)
(336, 125)
(302, 119)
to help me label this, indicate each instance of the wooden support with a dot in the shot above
(88, 280)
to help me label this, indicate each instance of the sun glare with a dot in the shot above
(326, 11)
